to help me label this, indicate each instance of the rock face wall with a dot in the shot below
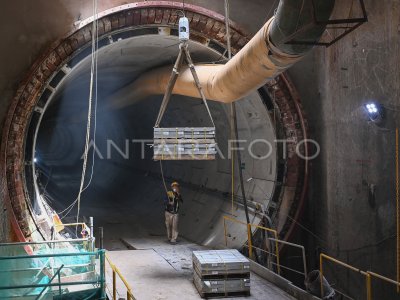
(353, 224)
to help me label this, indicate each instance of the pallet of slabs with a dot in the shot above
(221, 273)
(184, 143)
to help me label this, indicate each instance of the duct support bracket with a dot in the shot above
(347, 25)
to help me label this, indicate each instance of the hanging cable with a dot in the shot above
(234, 133)
(95, 104)
(93, 82)
(92, 72)
(228, 30)
(228, 46)
(163, 178)
(234, 129)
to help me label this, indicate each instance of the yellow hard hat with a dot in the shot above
(175, 183)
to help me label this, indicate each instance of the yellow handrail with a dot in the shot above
(84, 226)
(129, 294)
(368, 275)
(72, 224)
(276, 242)
(321, 270)
(249, 226)
(384, 278)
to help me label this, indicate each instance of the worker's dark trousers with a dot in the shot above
(171, 222)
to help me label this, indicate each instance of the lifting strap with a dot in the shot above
(183, 55)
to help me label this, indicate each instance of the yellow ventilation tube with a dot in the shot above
(258, 62)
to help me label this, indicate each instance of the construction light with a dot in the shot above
(372, 108)
(374, 111)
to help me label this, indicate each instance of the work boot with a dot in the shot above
(173, 242)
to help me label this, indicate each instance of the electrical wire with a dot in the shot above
(95, 105)
(235, 134)
(93, 82)
(228, 46)
(95, 45)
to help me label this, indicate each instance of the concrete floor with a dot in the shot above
(158, 270)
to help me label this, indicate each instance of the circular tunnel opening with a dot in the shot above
(124, 191)
(45, 130)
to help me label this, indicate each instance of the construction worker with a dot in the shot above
(172, 204)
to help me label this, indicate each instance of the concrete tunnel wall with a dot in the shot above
(23, 212)
(355, 153)
(332, 84)
(133, 183)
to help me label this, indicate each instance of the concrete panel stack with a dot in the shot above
(221, 273)
(184, 143)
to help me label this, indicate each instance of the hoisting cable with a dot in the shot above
(183, 54)
(228, 46)
(171, 83)
(235, 134)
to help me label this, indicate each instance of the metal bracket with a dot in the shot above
(349, 25)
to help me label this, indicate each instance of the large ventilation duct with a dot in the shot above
(266, 55)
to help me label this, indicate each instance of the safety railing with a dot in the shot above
(57, 273)
(368, 275)
(303, 256)
(83, 225)
(85, 228)
(86, 231)
(32, 272)
(275, 240)
(115, 272)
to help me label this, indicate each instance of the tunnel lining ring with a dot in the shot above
(49, 69)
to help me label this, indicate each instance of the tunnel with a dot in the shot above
(124, 189)
(123, 165)
(341, 203)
